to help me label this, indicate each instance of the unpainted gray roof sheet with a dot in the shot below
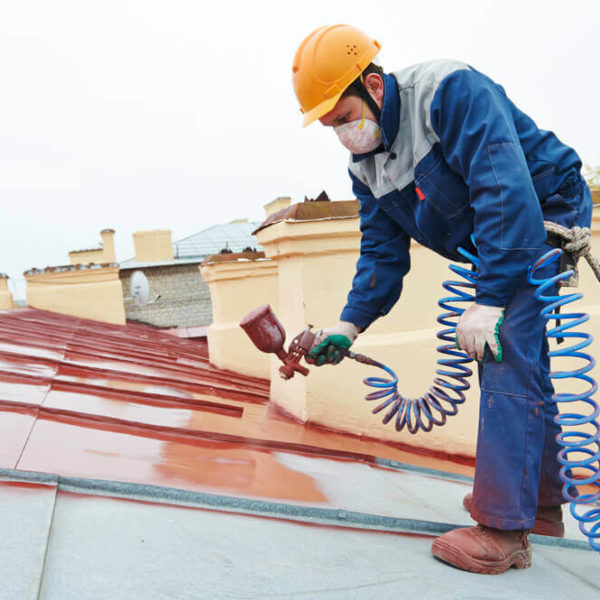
(69, 538)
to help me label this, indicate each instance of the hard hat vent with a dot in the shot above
(351, 49)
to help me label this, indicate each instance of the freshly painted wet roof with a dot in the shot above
(132, 468)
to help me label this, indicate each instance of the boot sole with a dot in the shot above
(461, 560)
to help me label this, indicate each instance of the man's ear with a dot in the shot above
(374, 85)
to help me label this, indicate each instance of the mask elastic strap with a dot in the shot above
(359, 86)
(364, 114)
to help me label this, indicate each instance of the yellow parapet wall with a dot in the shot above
(238, 283)
(92, 292)
(85, 257)
(6, 299)
(105, 254)
(316, 247)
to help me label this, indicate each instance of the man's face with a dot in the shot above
(349, 108)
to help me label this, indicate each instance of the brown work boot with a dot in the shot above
(548, 519)
(481, 549)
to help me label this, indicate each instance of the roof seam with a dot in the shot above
(251, 507)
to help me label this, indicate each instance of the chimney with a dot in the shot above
(276, 205)
(6, 299)
(108, 245)
(153, 245)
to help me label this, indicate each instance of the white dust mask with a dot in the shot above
(360, 136)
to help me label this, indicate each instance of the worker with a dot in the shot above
(441, 155)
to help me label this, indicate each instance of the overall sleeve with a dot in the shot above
(472, 118)
(384, 261)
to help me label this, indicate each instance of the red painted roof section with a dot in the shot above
(82, 398)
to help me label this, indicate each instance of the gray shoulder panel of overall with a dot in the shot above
(417, 86)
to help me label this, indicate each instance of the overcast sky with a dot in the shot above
(141, 114)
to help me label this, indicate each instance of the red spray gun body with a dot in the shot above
(268, 335)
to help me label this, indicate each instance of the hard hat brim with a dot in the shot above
(320, 110)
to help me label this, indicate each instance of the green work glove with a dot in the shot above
(328, 346)
(478, 328)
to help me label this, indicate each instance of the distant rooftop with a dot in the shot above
(234, 237)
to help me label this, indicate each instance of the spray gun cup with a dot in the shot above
(265, 330)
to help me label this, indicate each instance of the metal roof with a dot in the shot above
(132, 468)
(234, 236)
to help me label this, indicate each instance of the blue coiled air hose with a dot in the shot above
(444, 396)
(580, 449)
(581, 446)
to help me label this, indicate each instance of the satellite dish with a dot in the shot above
(140, 289)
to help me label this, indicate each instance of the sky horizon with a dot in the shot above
(137, 115)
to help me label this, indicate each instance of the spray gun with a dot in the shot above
(268, 335)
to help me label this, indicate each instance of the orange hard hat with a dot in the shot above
(326, 63)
